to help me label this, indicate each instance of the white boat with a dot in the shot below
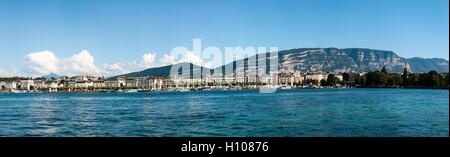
(132, 91)
(286, 87)
(235, 88)
(183, 90)
(267, 89)
(16, 91)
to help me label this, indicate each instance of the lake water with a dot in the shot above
(297, 112)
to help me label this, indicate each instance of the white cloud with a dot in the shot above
(190, 57)
(4, 73)
(45, 62)
(42, 62)
(80, 64)
(83, 63)
(9, 73)
(115, 67)
(148, 60)
(167, 60)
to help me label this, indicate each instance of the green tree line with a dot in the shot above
(382, 78)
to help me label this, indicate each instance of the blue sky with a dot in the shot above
(121, 31)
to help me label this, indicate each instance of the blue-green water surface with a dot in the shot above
(296, 112)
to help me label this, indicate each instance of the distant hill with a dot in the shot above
(51, 75)
(327, 60)
(164, 71)
(426, 64)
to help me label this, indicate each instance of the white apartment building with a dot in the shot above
(316, 76)
(26, 84)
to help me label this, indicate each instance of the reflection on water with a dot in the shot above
(41, 112)
(84, 116)
(306, 112)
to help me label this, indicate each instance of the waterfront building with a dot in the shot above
(12, 85)
(99, 84)
(81, 78)
(63, 82)
(298, 78)
(268, 79)
(64, 78)
(142, 82)
(216, 79)
(286, 79)
(71, 84)
(122, 81)
(130, 82)
(39, 83)
(155, 83)
(240, 78)
(52, 84)
(228, 79)
(166, 83)
(26, 84)
(207, 79)
(112, 83)
(350, 77)
(83, 84)
(316, 76)
(339, 76)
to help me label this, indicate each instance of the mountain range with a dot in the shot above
(51, 75)
(329, 60)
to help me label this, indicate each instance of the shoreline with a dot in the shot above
(194, 90)
(442, 88)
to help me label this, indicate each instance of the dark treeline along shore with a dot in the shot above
(384, 79)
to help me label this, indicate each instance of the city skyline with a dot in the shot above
(92, 36)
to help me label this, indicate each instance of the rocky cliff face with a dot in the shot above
(329, 60)
(340, 60)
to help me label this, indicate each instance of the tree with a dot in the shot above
(433, 79)
(423, 80)
(376, 79)
(414, 80)
(395, 80)
(323, 82)
(332, 80)
(382, 79)
(405, 77)
(361, 81)
(384, 70)
(446, 80)
(311, 81)
(371, 79)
